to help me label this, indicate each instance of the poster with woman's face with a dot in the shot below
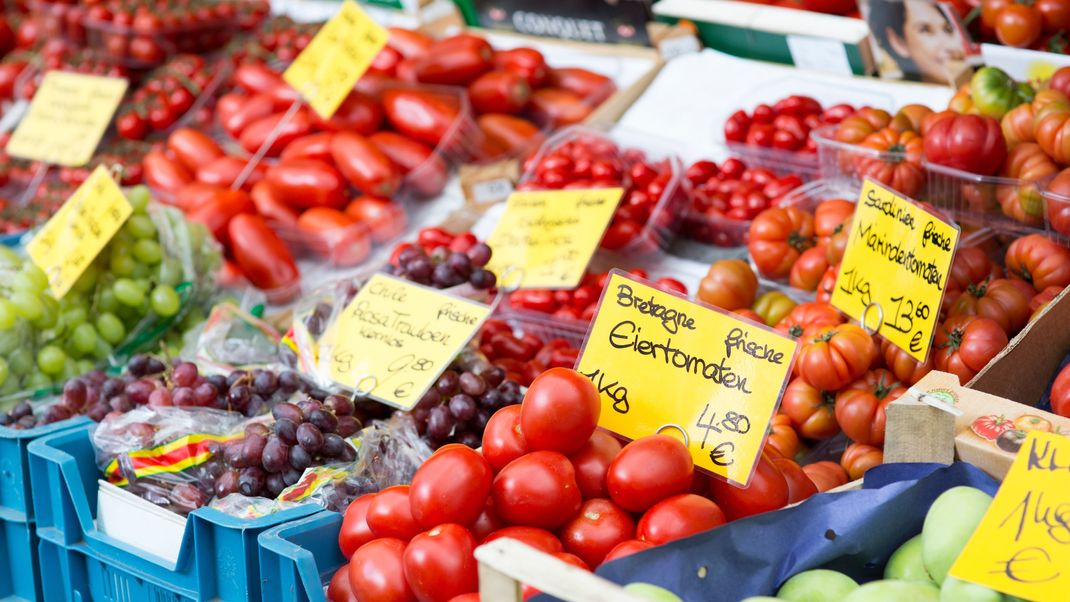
(915, 39)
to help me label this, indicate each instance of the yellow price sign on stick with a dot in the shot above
(895, 268)
(1022, 546)
(67, 118)
(662, 363)
(396, 337)
(550, 235)
(343, 49)
(76, 234)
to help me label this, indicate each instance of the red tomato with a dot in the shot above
(193, 148)
(421, 115)
(451, 487)
(964, 345)
(800, 487)
(383, 217)
(224, 171)
(560, 411)
(357, 113)
(313, 146)
(193, 195)
(971, 143)
(364, 165)
(627, 548)
(308, 183)
(503, 440)
(237, 115)
(261, 255)
(339, 590)
(439, 564)
(270, 205)
(376, 572)
(777, 238)
(768, 490)
(163, 173)
(499, 92)
(425, 170)
(527, 62)
(1060, 393)
(592, 463)
(558, 107)
(537, 490)
(540, 539)
(678, 517)
(649, 470)
(355, 531)
(487, 523)
(811, 411)
(592, 87)
(860, 407)
(472, 597)
(836, 356)
(256, 133)
(408, 43)
(454, 61)
(598, 528)
(826, 475)
(218, 210)
(390, 514)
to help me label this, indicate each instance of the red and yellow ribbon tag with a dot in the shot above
(171, 457)
(313, 479)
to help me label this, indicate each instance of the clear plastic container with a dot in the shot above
(1009, 204)
(127, 46)
(17, 197)
(59, 20)
(851, 163)
(660, 227)
(1056, 214)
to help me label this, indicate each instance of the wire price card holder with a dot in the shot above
(67, 118)
(551, 235)
(76, 234)
(895, 268)
(396, 337)
(337, 56)
(665, 364)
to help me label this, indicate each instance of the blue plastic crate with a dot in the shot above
(298, 559)
(20, 578)
(219, 557)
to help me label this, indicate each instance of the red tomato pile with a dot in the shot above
(525, 356)
(581, 302)
(730, 191)
(167, 95)
(278, 39)
(548, 478)
(54, 55)
(785, 125)
(594, 161)
(1040, 25)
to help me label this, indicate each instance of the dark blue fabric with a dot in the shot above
(854, 532)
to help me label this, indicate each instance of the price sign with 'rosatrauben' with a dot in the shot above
(662, 363)
(895, 268)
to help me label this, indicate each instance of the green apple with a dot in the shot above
(957, 590)
(948, 526)
(906, 564)
(818, 585)
(652, 592)
(895, 591)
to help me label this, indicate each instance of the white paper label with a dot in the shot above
(492, 191)
(819, 54)
(678, 46)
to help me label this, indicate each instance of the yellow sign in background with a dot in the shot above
(67, 118)
(551, 234)
(75, 235)
(660, 360)
(895, 268)
(398, 336)
(1022, 546)
(341, 51)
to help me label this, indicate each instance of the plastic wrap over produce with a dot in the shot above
(852, 532)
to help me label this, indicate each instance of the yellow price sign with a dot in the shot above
(1022, 546)
(343, 49)
(396, 337)
(550, 235)
(67, 118)
(895, 268)
(76, 234)
(660, 362)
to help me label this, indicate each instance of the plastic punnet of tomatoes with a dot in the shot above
(726, 197)
(888, 156)
(181, 92)
(59, 20)
(655, 189)
(574, 307)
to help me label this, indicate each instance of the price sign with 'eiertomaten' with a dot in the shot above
(662, 363)
(895, 268)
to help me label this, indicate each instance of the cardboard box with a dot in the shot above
(805, 39)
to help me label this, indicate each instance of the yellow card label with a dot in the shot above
(343, 49)
(1022, 546)
(550, 235)
(662, 362)
(67, 118)
(895, 268)
(76, 234)
(396, 337)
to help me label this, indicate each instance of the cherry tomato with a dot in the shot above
(439, 564)
(649, 470)
(537, 490)
(560, 411)
(451, 487)
(598, 528)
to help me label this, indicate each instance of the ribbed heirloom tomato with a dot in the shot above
(835, 356)
(826, 475)
(811, 411)
(777, 237)
(729, 284)
(965, 344)
(860, 457)
(860, 408)
(1039, 261)
(805, 319)
(1060, 393)
(998, 300)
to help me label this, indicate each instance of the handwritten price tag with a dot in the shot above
(76, 234)
(1022, 546)
(551, 234)
(661, 361)
(67, 118)
(402, 335)
(895, 268)
(343, 49)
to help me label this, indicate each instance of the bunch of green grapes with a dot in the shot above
(138, 283)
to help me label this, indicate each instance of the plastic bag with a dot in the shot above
(854, 532)
(232, 338)
(169, 456)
